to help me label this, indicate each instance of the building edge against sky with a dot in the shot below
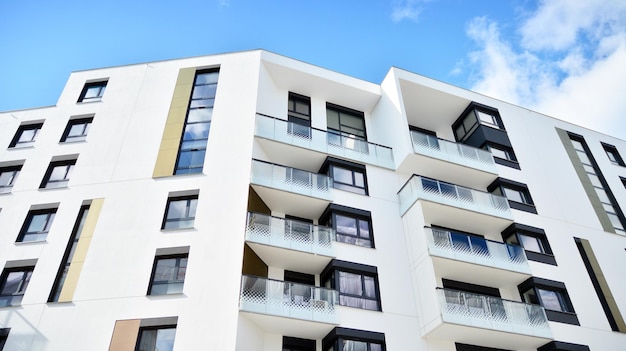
(250, 201)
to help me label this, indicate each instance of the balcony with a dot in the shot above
(318, 141)
(491, 263)
(290, 244)
(289, 308)
(489, 321)
(290, 190)
(454, 206)
(453, 162)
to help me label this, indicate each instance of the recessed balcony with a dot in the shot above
(487, 262)
(453, 206)
(489, 321)
(453, 162)
(289, 308)
(320, 142)
(290, 190)
(290, 244)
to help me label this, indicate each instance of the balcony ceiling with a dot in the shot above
(292, 260)
(280, 201)
(288, 326)
(291, 156)
(456, 217)
(477, 274)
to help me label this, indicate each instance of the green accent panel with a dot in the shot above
(170, 141)
(584, 180)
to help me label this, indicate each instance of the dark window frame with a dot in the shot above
(298, 344)
(299, 123)
(3, 280)
(616, 158)
(335, 337)
(566, 314)
(329, 218)
(562, 346)
(4, 335)
(100, 84)
(512, 234)
(330, 278)
(15, 170)
(29, 218)
(471, 111)
(510, 159)
(348, 111)
(467, 347)
(45, 182)
(499, 187)
(15, 142)
(158, 258)
(328, 168)
(188, 206)
(86, 122)
(142, 329)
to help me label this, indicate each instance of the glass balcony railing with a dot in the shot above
(290, 234)
(453, 195)
(462, 154)
(476, 250)
(323, 141)
(290, 179)
(286, 299)
(494, 313)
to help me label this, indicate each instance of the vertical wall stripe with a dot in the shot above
(601, 286)
(125, 334)
(584, 179)
(76, 266)
(170, 141)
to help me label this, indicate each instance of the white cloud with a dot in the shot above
(570, 62)
(406, 9)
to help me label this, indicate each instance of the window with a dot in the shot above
(37, 225)
(8, 175)
(474, 117)
(58, 174)
(467, 347)
(344, 339)
(357, 284)
(198, 123)
(517, 194)
(92, 91)
(26, 135)
(346, 175)
(156, 338)
(299, 115)
(76, 130)
(4, 335)
(351, 225)
(533, 240)
(180, 212)
(13, 284)
(613, 154)
(552, 295)
(562, 346)
(503, 155)
(168, 274)
(69, 254)
(346, 128)
(297, 344)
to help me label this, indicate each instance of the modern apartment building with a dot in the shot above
(252, 202)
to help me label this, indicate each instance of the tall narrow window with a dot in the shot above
(58, 174)
(156, 338)
(92, 91)
(180, 212)
(13, 284)
(37, 225)
(8, 175)
(299, 115)
(76, 130)
(69, 254)
(198, 123)
(26, 135)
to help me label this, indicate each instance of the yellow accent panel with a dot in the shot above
(125, 334)
(170, 141)
(76, 266)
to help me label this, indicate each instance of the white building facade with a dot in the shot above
(252, 202)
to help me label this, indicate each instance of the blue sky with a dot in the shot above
(563, 58)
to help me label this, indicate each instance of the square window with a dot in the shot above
(533, 240)
(58, 174)
(37, 225)
(92, 91)
(156, 338)
(552, 295)
(180, 212)
(76, 130)
(168, 275)
(8, 176)
(346, 175)
(13, 284)
(357, 284)
(344, 339)
(517, 194)
(613, 154)
(351, 225)
(26, 135)
(298, 344)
